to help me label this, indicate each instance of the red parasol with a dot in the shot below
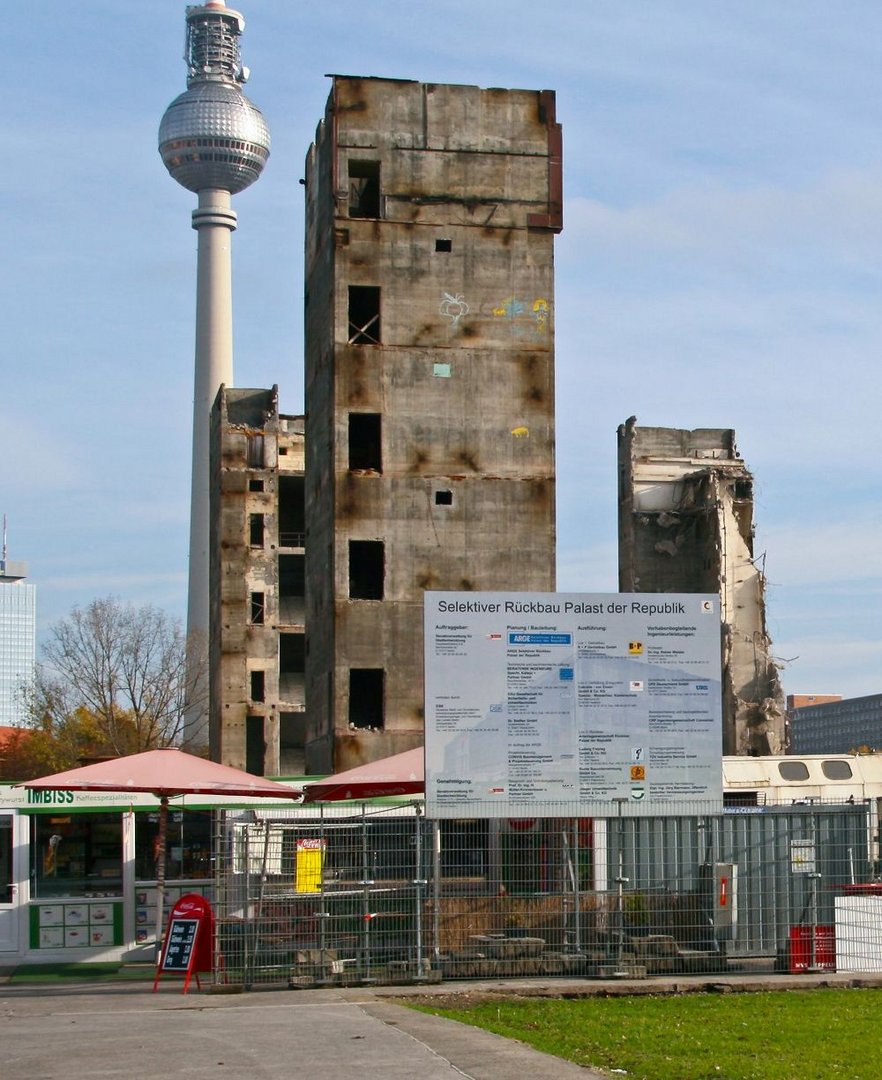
(164, 773)
(400, 774)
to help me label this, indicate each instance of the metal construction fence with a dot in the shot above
(343, 895)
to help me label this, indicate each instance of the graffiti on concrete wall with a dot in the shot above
(526, 318)
(453, 307)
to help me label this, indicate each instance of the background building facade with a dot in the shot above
(838, 726)
(257, 579)
(18, 639)
(430, 217)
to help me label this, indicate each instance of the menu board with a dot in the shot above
(558, 704)
(180, 940)
(189, 939)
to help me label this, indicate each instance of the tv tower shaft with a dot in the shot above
(215, 143)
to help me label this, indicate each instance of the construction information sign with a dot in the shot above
(557, 704)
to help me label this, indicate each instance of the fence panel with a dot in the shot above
(342, 895)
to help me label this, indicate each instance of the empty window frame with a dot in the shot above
(255, 745)
(442, 244)
(367, 566)
(365, 441)
(292, 668)
(364, 189)
(292, 730)
(292, 577)
(366, 693)
(292, 590)
(292, 741)
(292, 654)
(443, 497)
(255, 530)
(258, 686)
(258, 608)
(292, 511)
(364, 315)
(255, 485)
(255, 451)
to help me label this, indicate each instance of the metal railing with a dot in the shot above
(292, 539)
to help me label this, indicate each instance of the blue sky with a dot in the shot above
(719, 266)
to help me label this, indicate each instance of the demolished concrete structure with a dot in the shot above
(686, 525)
(257, 701)
(430, 218)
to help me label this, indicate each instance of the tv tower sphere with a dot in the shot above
(214, 142)
(212, 136)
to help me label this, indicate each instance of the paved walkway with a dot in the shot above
(86, 1032)
(124, 1030)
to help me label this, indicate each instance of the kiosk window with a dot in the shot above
(187, 845)
(76, 854)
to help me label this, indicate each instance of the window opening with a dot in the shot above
(292, 590)
(74, 854)
(292, 667)
(365, 441)
(836, 769)
(258, 685)
(188, 845)
(255, 452)
(255, 485)
(793, 770)
(366, 697)
(255, 530)
(258, 608)
(366, 569)
(443, 498)
(292, 742)
(364, 315)
(292, 513)
(443, 245)
(255, 745)
(364, 189)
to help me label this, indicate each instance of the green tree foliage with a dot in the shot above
(51, 744)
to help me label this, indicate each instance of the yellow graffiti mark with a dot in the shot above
(520, 432)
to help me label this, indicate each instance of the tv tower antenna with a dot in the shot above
(214, 142)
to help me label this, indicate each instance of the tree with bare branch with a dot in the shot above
(127, 669)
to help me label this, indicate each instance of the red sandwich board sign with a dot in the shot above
(189, 936)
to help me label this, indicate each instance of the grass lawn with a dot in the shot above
(779, 1035)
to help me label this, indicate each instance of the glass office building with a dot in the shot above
(18, 633)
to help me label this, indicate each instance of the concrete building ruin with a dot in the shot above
(686, 525)
(257, 578)
(430, 217)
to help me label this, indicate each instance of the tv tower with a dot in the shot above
(215, 143)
